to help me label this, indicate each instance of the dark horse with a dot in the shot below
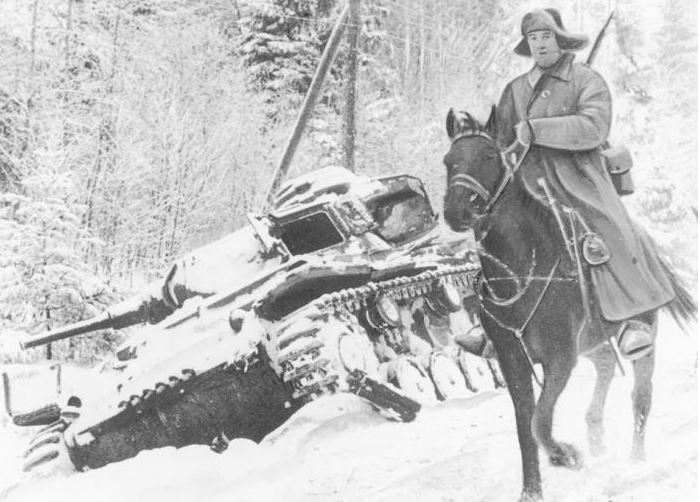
(531, 294)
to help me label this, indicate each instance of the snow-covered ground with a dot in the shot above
(337, 449)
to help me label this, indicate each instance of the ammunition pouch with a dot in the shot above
(618, 162)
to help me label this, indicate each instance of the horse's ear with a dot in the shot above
(490, 126)
(450, 123)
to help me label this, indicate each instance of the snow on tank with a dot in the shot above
(347, 285)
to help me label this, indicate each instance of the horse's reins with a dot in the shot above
(522, 281)
(519, 332)
(511, 162)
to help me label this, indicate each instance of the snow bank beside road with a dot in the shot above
(338, 450)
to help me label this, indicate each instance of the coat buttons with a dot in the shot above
(546, 93)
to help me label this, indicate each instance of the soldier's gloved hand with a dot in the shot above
(523, 133)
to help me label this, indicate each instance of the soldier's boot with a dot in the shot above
(474, 341)
(635, 339)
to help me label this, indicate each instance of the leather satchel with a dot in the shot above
(618, 161)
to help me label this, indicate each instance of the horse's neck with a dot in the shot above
(520, 236)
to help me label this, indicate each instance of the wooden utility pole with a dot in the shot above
(421, 60)
(49, 352)
(309, 101)
(349, 129)
(6, 390)
(407, 47)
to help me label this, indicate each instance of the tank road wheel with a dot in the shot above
(476, 371)
(356, 353)
(408, 376)
(447, 377)
(318, 354)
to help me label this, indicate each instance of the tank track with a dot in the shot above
(333, 344)
(304, 348)
(189, 409)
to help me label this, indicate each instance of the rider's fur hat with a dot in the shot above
(548, 19)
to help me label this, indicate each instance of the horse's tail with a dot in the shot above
(683, 308)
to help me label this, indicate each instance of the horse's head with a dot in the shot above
(475, 171)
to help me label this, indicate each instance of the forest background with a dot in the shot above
(132, 131)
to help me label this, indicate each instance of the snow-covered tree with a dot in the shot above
(281, 46)
(44, 282)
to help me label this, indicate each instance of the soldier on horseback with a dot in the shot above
(562, 110)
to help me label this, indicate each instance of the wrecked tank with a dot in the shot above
(348, 285)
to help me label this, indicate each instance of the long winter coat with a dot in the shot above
(570, 115)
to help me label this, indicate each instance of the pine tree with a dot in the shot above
(44, 283)
(281, 46)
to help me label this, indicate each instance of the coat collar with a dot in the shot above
(560, 70)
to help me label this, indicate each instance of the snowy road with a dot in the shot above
(337, 450)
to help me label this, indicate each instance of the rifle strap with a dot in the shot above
(539, 87)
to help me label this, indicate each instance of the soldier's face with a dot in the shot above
(543, 47)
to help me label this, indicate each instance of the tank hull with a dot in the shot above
(357, 292)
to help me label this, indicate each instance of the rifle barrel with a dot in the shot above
(599, 39)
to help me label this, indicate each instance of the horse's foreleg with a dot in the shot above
(556, 375)
(641, 403)
(516, 371)
(604, 362)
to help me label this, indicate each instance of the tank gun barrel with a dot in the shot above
(135, 310)
(99, 322)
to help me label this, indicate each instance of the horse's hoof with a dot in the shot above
(639, 454)
(596, 448)
(531, 497)
(566, 455)
(595, 443)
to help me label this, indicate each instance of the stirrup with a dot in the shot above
(635, 340)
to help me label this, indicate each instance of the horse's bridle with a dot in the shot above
(512, 158)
